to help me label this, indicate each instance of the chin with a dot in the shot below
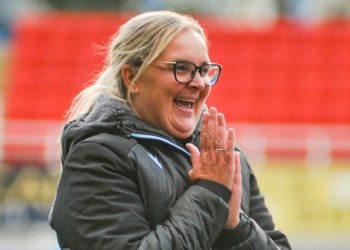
(183, 134)
(182, 129)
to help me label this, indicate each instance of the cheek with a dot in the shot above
(163, 95)
(160, 101)
(160, 86)
(205, 93)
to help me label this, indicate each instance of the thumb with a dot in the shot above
(192, 148)
(195, 160)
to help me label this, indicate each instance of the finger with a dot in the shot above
(230, 145)
(238, 174)
(230, 142)
(212, 124)
(237, 181)
(203, 135)
(220, 140)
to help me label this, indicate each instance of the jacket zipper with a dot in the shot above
(137, 135)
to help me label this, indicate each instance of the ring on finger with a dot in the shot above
(220, 149)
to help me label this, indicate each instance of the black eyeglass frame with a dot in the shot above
(199, 68)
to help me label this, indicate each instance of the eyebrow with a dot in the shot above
(185, 60)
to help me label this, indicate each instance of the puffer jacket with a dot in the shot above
(125, 185)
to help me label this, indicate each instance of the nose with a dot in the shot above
(197, 81)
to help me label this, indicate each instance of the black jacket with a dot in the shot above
(124, 185)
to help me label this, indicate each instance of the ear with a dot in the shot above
(128, 75)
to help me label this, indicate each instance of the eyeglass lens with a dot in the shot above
(185, 72)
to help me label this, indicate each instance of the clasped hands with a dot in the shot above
(217, 160)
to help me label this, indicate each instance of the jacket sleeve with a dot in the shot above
(256, 229)
(98, 206)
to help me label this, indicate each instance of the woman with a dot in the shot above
(145, 165)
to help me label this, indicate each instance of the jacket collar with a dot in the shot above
(114, 115)
(114, 110)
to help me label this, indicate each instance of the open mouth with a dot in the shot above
(184, 103)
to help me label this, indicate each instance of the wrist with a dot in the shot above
(240, 221)
(233, 237)
(232, 223)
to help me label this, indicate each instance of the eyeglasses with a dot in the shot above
(184, 71)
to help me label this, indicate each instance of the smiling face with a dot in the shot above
(163, 102)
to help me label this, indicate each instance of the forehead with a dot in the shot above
(189, 45)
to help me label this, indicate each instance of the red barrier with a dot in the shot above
(286, 73)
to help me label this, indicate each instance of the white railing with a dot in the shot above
(29, 141)
(309, 142)
(38, 141)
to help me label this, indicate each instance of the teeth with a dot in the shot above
(185, 102)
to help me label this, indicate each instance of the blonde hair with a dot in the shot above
(137, 43)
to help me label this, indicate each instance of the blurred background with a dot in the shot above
(285, 87)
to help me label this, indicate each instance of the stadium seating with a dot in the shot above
(274, 79)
